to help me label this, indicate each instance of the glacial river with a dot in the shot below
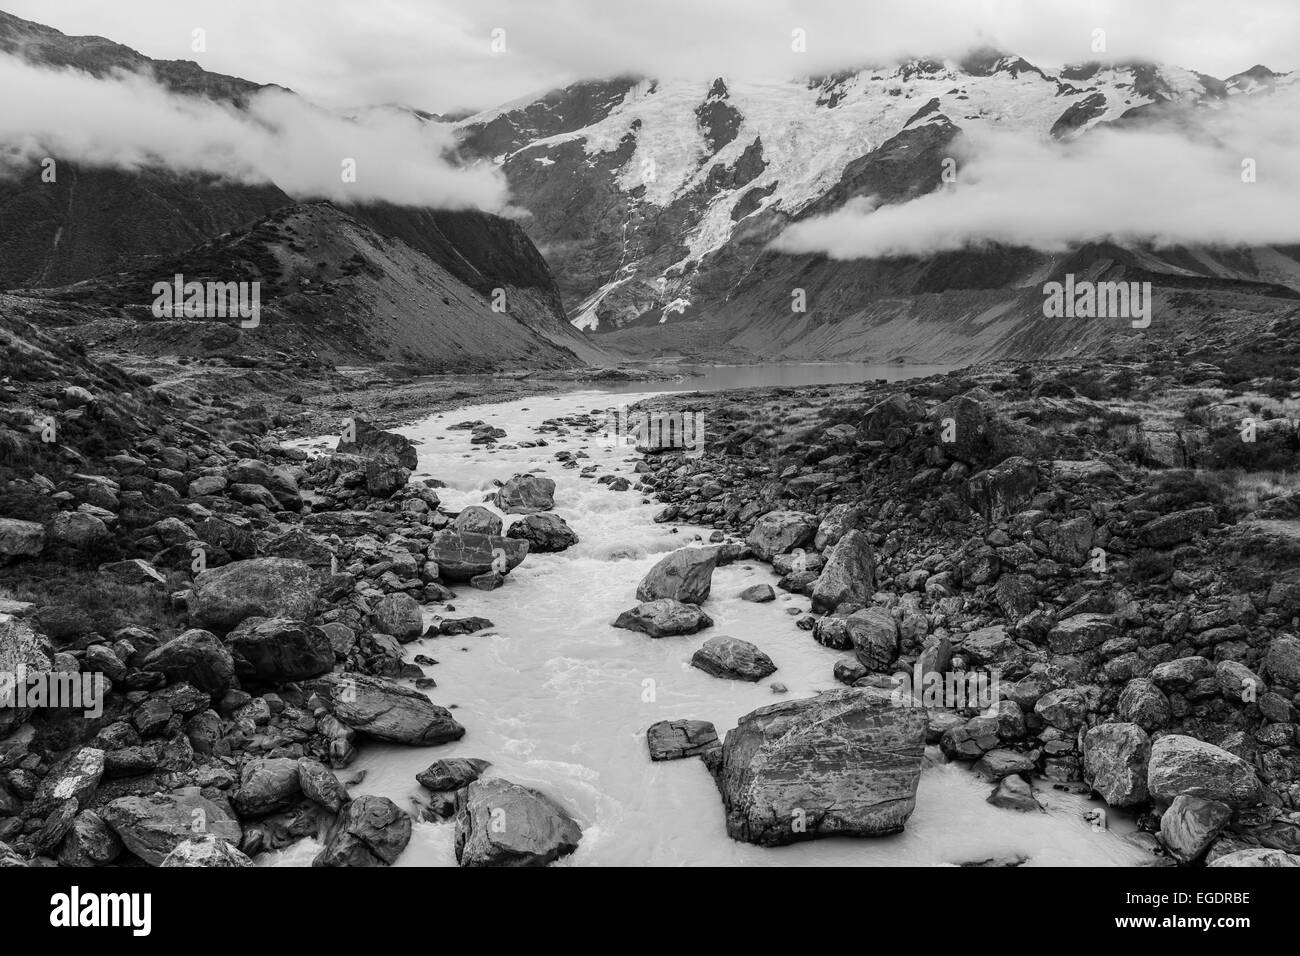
(559, 700)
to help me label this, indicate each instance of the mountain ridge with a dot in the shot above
(91, 228)
(656, 203)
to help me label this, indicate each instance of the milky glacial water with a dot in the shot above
(711, 378)
(559, 700)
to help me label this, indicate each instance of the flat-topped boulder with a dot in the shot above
(525, 494)
(664, 618)
(676, 739)
(1171, 529)
(732, 659)
(843, 763)
(386, 710)
(461, 555)
(375, 443)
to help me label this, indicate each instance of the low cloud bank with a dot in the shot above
(128, 121)
(1165, 186)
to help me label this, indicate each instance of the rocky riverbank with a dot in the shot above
(239, 610)
(1116, 544)
(245, 607)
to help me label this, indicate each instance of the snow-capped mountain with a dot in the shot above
(655, 202)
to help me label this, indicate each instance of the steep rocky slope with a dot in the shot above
(408, 284)
(333, 291)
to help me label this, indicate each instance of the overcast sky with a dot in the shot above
(437, 54)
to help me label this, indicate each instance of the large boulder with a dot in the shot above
(849, 574)
(499, 823)
(274, 650)
(1069, 542)
(398, 614)
(1282, 661)
(208, 851)
(839, 521)
(664, 618)
(258, 587)
(545, 533)
(676, 739)
(319, 784)
(371, 831)
(893, 415)
(1169, 530)
(302, 545)
(74, 777)
(969, 429)
(196, 656)
(1003, 489)
(374, 443)
(21, 538)
(386, 710)
(1081, 632)
(90, 842)
(21, 648)
(267, 785)
(477, 519)
(525, 495)
(154, 825)
(461, 555)
(280, 483)
(780, 531)
(76, 532)
(1191, 824)
(843, 763)
(874, 634)
(1115, 758)
(1257, 856)
(686, 575)
(1144, 704)
(732, 659)
(452, 773)
(1184, 765)
(1176, 676)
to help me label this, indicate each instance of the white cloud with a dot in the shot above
(435, 54)
(128, 121)
(1159, 186)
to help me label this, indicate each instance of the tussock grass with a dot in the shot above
(109, 604)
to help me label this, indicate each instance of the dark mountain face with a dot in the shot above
(659, 213)
(331, 289)
(91, 222)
